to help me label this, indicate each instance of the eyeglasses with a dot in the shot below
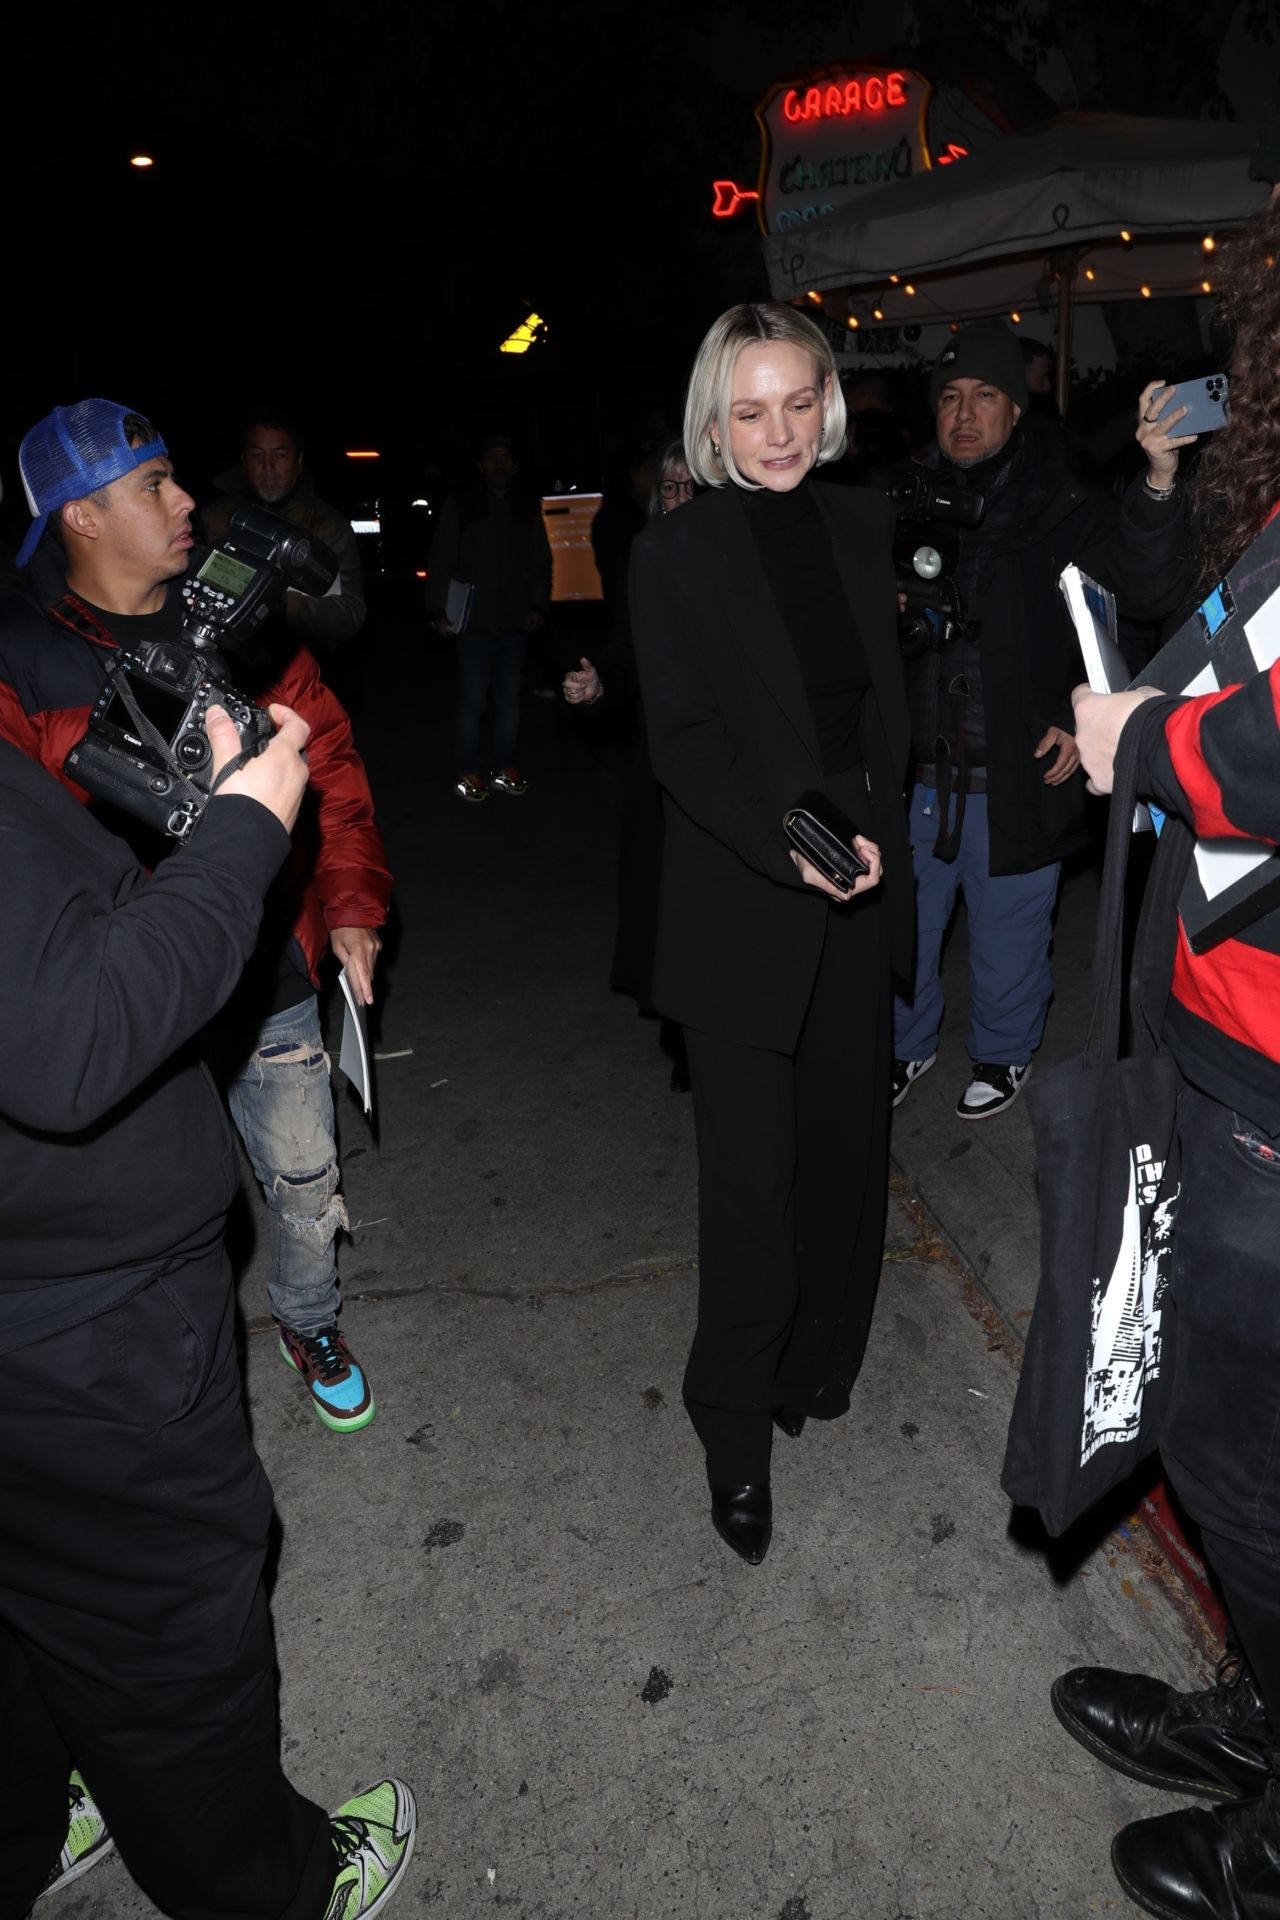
(670, 488)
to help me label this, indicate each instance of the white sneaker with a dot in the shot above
(991, 1090)
(86, 1843)
(905, 1072)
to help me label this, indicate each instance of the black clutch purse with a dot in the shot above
(824, 836)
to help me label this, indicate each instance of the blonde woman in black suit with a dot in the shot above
(765, 624)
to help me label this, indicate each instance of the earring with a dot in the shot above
(823, 434)
(715, 447)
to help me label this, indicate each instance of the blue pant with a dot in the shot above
(490, 669)
(1010, 934)
(1221, 1439)
(282, 1104)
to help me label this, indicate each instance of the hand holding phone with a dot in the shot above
(1207, 401)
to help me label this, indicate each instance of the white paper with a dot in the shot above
(457, 605)
(1220, 863)
(1093, 613)
(353, 1060)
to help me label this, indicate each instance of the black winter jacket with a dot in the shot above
(114, 1144)
(1030, 658)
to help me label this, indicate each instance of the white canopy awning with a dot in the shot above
(974, 237)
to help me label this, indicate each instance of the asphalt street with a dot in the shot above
(508, 1590)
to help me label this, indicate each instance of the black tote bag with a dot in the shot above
(1098, 1364)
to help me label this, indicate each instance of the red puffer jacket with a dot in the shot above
(51, 675)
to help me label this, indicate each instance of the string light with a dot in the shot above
(1145, 292)
(877, 313)
(141, 160)
(1208, 243)
(893, 279)
(816, 298)
(1206, 286)
(955, 326)
(1089, 274)
(1016, 319)
(852, 323)
(1125, 235)
(909, 288)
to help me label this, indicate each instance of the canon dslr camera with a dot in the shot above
(926, 555)
(146, 749)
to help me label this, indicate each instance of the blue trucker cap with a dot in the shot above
(74, 451)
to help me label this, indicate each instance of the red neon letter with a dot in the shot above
(790, 105)
(812, 104)
(895, 93)
(852, 97)
(834, 102)
(873, 93)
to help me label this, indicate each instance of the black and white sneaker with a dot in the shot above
(905, 1072)
(991, 1090)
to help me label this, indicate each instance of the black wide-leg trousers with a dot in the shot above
(792, 1191)
(135, 1640)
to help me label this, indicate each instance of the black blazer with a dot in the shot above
(733, 745)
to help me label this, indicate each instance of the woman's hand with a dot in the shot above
(1155, 435)
(582, 686)
(1100, 720)
(864, 882)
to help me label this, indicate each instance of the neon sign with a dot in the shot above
(729, 197)
(830, 136)
(869, 95)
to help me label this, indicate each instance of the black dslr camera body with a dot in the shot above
(146, 749)
(926, 556)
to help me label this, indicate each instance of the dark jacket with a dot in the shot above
(732, 741)
(1030, 658)
(323, 620)
(114, 1145)
(50, 677)
(500, 547)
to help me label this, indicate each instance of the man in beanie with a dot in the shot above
(997, 798)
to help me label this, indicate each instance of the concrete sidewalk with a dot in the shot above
(508, 1589)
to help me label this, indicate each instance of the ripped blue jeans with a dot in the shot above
(282, 1104)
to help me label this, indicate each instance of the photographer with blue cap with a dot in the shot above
(105, 559)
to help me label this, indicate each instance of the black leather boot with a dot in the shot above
(1205, 1863)
(792, 1424)
(1215, 1743)
(744, 1517)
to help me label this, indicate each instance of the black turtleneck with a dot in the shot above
(795, 551)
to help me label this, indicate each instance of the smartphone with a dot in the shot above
(1206, 401)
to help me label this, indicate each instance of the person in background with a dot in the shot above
(614, 689)
(996, 798)
(492, 537)
(272, 474)
(1214, 761)
(765, 631)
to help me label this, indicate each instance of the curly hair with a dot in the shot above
(1237, 478)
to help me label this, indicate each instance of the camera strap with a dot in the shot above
(951, 774)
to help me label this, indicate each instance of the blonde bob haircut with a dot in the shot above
(711, 386)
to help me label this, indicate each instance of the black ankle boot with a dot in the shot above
(743, 1516)
(1205, 1863)
(792, 1424)
(1215, 1743)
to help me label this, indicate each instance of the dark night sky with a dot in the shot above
(351, 205)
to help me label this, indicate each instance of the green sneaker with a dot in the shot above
(373, 1837)
(86, 1843)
